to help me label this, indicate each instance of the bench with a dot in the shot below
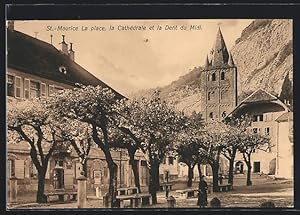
(187, 193)
(165, 186)
(127, 191)
(71, 195)
(225, 187)
(136, 200)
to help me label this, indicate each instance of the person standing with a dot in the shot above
(202, 193)
(220, 178)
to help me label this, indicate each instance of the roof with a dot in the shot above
(259, 96)
(220, 53)
(37, 57)
(285, 117)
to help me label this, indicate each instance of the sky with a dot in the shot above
(132, 60)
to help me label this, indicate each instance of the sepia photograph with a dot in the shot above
(149, 113)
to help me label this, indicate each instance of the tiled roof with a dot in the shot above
(259, 96)
(37, 57)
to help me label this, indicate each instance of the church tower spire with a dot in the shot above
(220, 54)
(218, 82)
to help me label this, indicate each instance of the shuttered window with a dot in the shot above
(10, 88)
(268, 117)
(11, 168)
(51, 90)
(34, 89)
(43, 89)
(268, 131)
(26, 89)
(18, 87)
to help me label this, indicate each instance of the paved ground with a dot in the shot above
(263, 189)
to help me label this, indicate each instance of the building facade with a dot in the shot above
(38, 69)
(269, 117)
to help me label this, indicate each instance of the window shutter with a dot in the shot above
(26, 89)
(18, 87)
(19, 168)
(43, 89)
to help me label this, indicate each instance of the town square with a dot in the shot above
(197, 114)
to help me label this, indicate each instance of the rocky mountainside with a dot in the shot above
(264, 58)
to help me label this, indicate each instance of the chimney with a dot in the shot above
(64, 46)
(11, 25)
(51, 36)
(71, 52)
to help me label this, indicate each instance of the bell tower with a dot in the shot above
(218, 82)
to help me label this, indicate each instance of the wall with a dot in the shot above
(223, 99)
(48, 82)
(171, 168)
(285, 152)
(96, 162)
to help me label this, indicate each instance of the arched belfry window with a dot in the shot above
(224, 114)
(213, 77)
(211, 115)
(222, 75)
(208, 96)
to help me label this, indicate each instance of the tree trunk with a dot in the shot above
(199, 170)
(230, 174)
(215, 170)
(247, 159)
(112, 166)
(249, 182)
(40, 196)
(113, 177)
(231, 166)
(190, 176)
(154, 180)
(134, 166)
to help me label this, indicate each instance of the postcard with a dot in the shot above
(149, 113)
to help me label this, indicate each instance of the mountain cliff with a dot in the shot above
(264, 57)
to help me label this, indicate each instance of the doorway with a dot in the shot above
(239, 167)
(256, 167)
(58, 175)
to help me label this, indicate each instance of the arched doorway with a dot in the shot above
(239, 167)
